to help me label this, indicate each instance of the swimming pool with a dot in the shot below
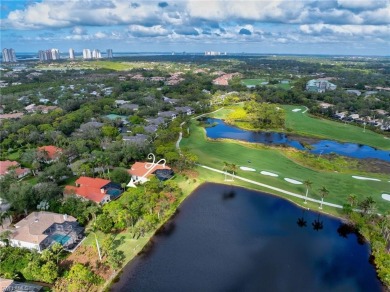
(60, 238)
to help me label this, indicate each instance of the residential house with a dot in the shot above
(97, 190)
(157, 121)
(90, 125)
(39, 230)
(7, 166)
(130, 106)
(142, 171)
(49, 153)
(13, 116)
(150, 129)
(353, 91)
(119, 102)
(224, 79)
(139, 139)
(170, 100)
(168, 114)
(186, 110)
(8, 285)
(319, 85)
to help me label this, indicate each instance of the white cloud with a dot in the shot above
(346, 30)
(143, 31)
(362, 4)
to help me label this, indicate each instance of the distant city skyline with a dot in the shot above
(340, 27)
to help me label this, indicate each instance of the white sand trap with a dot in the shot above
(293, 181)
(247, 168)
(386, 197)
(365, 178)
(269, 173)
(296, 110)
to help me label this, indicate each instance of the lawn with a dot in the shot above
(215, 153)
(253, 82)
(304, 124)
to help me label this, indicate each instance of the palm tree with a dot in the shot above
(324, 191)
(308, 184)
(233, 168)
(352, 199)
(225, 167)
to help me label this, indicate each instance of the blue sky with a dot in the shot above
(278, 26)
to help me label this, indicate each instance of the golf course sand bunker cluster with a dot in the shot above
(386, 197)
(365, 178)
(293, 181)
(269, 173)
(247, 168)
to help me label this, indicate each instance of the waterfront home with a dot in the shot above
(185, 110)
(8, 285)
(168, 114)
(97, 190)
(142, 171)
(39, 230)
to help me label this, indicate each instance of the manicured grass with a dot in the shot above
(283, 86)
(253, 81)
(304, 124)
(215, 153)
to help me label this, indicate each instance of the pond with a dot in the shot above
(226, 238)
(223, 130)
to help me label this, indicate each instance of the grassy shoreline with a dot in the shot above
(303, 124)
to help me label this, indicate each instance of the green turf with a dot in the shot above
(254, 82)
(304, 124)
(214, 153)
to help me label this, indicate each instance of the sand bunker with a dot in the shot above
(247, 168)
(386, 197)
(296, 110)
(293, 181)
(268, 173)
(365, 178)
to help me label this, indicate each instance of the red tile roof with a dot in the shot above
(5, 165)
(92, 182)
(139, 169)
(89, 193)
(52, 151)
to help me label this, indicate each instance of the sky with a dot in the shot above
(347, 27)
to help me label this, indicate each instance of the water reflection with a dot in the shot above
(250, 243)
(222, 130)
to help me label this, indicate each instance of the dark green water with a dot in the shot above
(231, 239)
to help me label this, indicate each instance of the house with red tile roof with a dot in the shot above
(49, 153)
(7, 166)
(142, 171)
(98, 190)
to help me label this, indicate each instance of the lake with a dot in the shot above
(223, 130)
(227, 238)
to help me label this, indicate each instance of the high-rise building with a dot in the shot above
(55, 54)
(109, 54)
(71, 54)
(50, 54)
(96, 54)
(87, 54)
(9, 55)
